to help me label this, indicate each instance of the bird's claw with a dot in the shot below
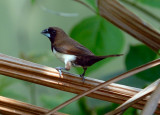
(83, 78)
(59, 70)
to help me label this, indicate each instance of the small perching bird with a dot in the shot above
(70, 51)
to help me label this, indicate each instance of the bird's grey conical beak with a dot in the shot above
(44, 31)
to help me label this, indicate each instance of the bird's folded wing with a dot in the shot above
(72, 48)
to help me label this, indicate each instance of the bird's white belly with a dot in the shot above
(64, 57)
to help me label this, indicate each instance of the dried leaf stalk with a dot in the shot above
(152, 103)
(35, 73)
(137, 97)
(117, 78)
(120, 16)
(14, 107)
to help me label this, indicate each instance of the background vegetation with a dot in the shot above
(23, 20)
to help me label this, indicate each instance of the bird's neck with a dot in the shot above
(52, 39)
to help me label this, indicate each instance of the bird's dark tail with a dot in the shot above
(93, 59)
(103, 57)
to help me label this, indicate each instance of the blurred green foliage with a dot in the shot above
(33, 1)
(139, 55)
(21, 24)
(153, 3)
(83, 105)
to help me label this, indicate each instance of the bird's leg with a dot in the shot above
(82, 75)
(60, 70)
(67, 67)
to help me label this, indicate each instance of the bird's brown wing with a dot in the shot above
(72, 47)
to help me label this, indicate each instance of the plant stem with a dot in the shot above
(145, 11)
(83, 3)
(117, 78)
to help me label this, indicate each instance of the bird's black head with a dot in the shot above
(50, 33)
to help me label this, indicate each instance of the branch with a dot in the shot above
(137, 97)
(35, 73)
(152, 103)
(13, 107)
(145, 11)
(120, 16)
(117, 78)
(83, 3)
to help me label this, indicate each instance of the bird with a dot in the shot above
(71, 52)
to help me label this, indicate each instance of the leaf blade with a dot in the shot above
(139, 55)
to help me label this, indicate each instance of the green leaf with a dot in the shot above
(139, 55)
(153, 3)
(159, 52)
(83, 105)
(130, 111)
(100, 36)
(101, 110)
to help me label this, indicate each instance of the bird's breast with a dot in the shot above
(64, 57)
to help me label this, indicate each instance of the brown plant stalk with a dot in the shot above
(152, 103)
(13, 107)
(140, 8)
(39, 74)
(117, 78)
(137, 97)
(83, 3)
(120, 16)
(35, 73)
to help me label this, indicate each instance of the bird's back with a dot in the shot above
(72, 47)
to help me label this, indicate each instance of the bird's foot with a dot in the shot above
(83, 78)
(60, 70)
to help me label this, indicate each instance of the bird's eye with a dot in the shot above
(54, 31)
